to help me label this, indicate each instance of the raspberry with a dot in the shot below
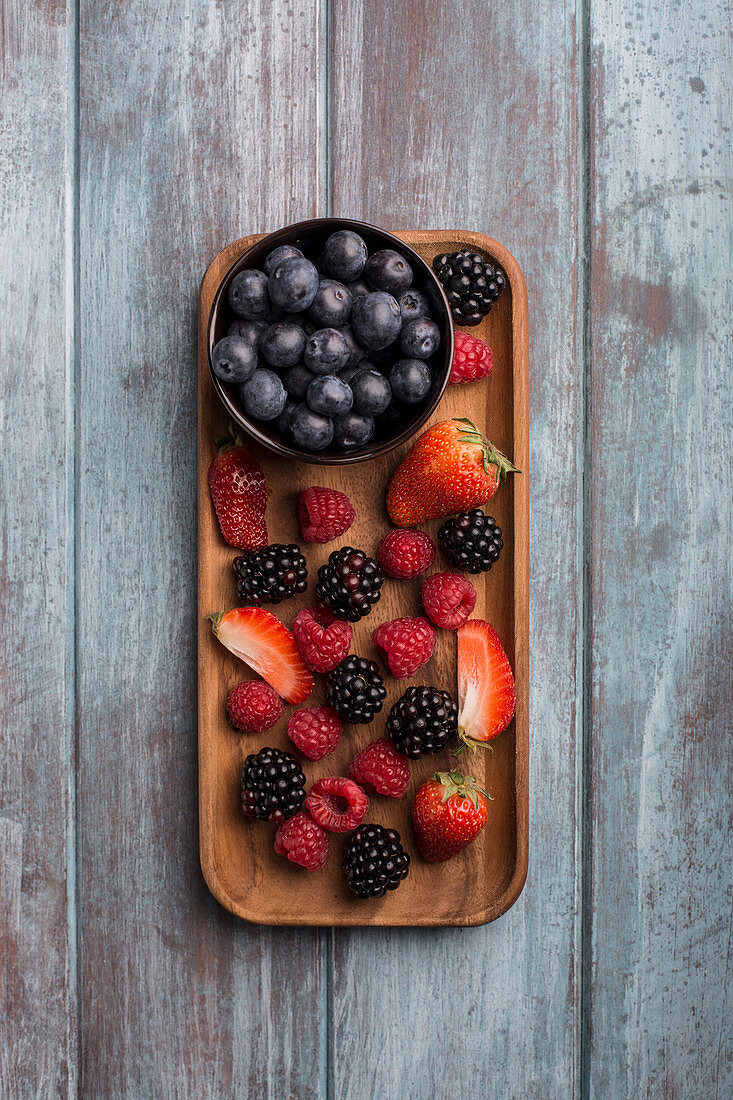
(406, 554)
(448, 599)
(322, 639)
(253, 706)
(324, 514)
(337, 803)
(472, 359)
(302, 841)
(315, 731)
(407, 643)
(382, 767)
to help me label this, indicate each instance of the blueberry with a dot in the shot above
(329, 395)
(326, 351)
(357, 353)
(387, 270)
(300, 319)
(372, 392)
(419, 338)
(284, 252)
(283, 421)
(331, 305)
(413, 304)
(353, 430)
(376, 320)
(347, 373)
(248, 330)
(344, 255)
(410, 380)
(248, 295)
(309, 429)
(359, 288)
(233, 359)
(297, 381)
(263, 396)
(282, 345)
(293, 284)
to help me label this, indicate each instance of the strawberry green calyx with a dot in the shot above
(231, 439)
(492, 456)
(215, 619)
(465, 786)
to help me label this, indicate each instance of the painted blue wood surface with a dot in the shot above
(594, 143)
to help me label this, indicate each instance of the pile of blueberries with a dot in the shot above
(332, 352)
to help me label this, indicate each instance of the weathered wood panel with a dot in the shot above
(37, 936)
(660, 409)
(199, 123)
(465, 116)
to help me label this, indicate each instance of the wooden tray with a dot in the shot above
(237, 857)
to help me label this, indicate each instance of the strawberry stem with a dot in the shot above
(492, 456)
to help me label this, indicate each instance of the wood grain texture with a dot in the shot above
(237, 856)
(37, 935)
(178, 999)
(479, 130)
(662, 887)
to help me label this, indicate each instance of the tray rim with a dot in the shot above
(520, 387)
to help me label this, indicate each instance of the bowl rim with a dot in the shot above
(362, 454)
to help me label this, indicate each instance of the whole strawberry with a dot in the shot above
(449, 811)
(451, 468)
(239, 493)
(472, 359)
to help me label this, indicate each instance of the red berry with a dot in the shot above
(472, 359)
(324, 514)
(315, 731)
(239, 494)
(323, 640)
(407, 643)
(382, 767)
(337, 803)
(303, 841)
(448, 599)
(406, 554)
(253, 706)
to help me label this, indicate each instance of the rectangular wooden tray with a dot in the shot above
(237, 858)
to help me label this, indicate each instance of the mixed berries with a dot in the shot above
(330, 347)
(323, 343)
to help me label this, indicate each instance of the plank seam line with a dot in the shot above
(327, 936)
(73, 319)
(326, 107)
(584, 672)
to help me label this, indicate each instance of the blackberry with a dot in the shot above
(422, 721)
(375, 861)
(273, 785)
(271, 575)
(355, 689)
(349, 583)
(472, 541)
(472, 284)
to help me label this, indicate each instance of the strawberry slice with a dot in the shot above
(261, 641)
(486, 693)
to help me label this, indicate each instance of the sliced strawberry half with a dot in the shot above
(486, 692)
(261, 641)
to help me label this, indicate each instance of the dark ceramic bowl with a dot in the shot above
(309, 237)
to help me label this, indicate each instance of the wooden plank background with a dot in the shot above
(593, 140)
